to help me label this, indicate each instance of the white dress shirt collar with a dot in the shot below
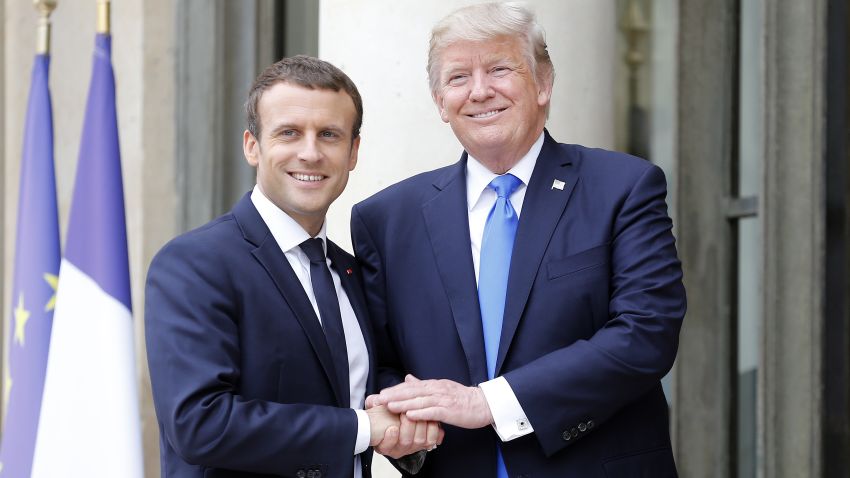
(478, 177)
(288, 233)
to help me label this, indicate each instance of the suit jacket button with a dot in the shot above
(300, 474)
(589, 424)
(318, 474)
(574, 432)
(566, 436)
(582, 427)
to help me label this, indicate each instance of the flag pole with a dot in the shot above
(45, 8)
(103, 22)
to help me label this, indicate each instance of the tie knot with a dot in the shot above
(314, 250)
(505, 185)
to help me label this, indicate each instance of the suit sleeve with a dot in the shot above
(390, 369)
(584, 384)
(193, 345)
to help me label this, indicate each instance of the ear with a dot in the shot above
(544, 94)
(438, 101)
(250, 148)
(352, 156)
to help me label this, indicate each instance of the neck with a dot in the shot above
(500, 161)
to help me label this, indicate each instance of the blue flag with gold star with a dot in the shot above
(34, 282)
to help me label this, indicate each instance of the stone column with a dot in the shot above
(702, 412)
(794, 238)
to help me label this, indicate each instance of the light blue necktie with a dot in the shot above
(494, 264)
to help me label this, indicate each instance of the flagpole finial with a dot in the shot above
(103, 22)
(45, 8)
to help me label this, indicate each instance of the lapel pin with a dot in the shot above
(558, 184)
(349, 271)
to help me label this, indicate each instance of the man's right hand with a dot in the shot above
(410, 437)
(382, 423)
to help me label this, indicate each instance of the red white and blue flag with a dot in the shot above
(89, 423)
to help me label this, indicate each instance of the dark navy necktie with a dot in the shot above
(328, 302)
(494, 264)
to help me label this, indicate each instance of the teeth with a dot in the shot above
(307, 177)
(487, 114)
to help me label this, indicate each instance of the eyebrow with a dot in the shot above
(281, 127)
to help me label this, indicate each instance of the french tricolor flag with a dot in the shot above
(89, 423)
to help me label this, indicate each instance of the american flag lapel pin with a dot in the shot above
(558, 184)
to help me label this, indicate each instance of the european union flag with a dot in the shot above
(34, 283)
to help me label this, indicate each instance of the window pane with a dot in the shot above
(750, 148)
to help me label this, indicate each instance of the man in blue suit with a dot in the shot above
(257, 334)
(530, 295)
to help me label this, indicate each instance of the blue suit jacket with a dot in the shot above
(592, 316)
(243, 380)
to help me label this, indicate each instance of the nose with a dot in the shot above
(309, 150)
(480, 88)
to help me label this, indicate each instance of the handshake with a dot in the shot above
(406, 418)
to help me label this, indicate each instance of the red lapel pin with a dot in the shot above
(349, 271)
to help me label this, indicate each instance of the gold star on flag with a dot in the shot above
(21, 317)
(54, 282)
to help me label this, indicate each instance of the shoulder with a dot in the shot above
(610, 168)
(598, 160)
(211, 242)
(415, 190)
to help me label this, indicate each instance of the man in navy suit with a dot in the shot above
(530, 295)
(257, 334)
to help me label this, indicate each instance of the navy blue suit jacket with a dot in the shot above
(592, 316)
(243, 380)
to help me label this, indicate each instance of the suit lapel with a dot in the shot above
(542, 208)
(268, 253)
(447, 222)
(348, 277)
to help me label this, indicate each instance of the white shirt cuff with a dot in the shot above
(509, 418)
(364, 432)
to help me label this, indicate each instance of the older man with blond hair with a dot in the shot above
(529, 296)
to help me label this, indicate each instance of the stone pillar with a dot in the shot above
(794, 238)
(383, 46)
(702, 412)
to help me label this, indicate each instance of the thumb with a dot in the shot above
(409, 378)
(373, 401)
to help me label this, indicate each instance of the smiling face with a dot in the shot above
(305, 150)
(488, 94)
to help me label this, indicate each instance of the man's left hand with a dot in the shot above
(437, 400)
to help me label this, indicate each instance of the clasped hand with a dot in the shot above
(421, 405)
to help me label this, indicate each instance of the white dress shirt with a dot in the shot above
(289, 235)
(509, 419)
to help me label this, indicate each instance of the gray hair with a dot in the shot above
(487, 21)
